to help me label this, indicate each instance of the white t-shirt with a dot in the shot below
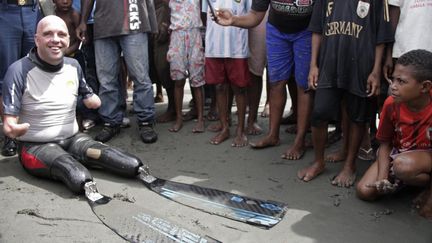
(222, 41)
(414, 30)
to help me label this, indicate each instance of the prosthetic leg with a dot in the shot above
(96, 154)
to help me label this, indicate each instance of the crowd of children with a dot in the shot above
(339, 52)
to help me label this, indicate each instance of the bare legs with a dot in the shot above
(222, 102)
(278, 96)
(304, 109)
(254, 95)
(199, 103)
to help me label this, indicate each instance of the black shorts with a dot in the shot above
(327, 106)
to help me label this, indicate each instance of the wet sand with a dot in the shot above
(37, 210)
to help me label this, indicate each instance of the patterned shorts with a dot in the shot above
(186, 56)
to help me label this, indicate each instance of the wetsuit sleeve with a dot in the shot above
(13, 88)
(84, 89)
(317, 19)
(386, 128)
(260, 5)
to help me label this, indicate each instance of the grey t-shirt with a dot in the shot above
(45, 97)
(115, 18)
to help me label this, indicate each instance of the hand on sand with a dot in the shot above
(384, 186)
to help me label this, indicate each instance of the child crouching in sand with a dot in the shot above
(405, 130)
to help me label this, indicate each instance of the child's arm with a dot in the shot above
(314, 70)
(394, 13)
(383, 160)
(75, 18)
(382, 184)
(86, 7)
(373, 82)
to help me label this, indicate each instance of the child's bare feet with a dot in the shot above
(265, 142)
(166, 117)
(190, 115)
(253, 129)
(266, 111)
(334, 157)
(423, 202)
(159, 98)
(220, 137)
(240, 141)
(199, 127)
(310, 172)
(294, 152)
(177, 126)
(345, 178)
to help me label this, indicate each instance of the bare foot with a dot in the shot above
(254, 129)
(294, 152)
(159, 98)
(190, 115)
(266, 111)
(423, 202)
(333, 137)
(240, 141)
(421, 198)
(335, 157)
(220, 137)
(345, 178)
(176, 127)
(199, 127)
(291, 129)
(310, 172)
(215, 127)
(264, 143)
(212, 116)
(168, 116)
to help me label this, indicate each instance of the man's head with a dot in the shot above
(412, 76)
(52, 39)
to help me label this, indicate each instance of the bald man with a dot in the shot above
(39, 100)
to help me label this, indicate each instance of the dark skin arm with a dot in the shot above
(373, 81)
(388, 66)
(226, 18)
(314, 70)
(74, 41)
(86, 7)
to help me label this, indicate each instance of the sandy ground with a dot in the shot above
(318, 211)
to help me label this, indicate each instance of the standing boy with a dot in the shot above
(186, 58)
(226, 52)
(405, 130)
(348, 37)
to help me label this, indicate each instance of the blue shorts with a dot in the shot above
(287, 52)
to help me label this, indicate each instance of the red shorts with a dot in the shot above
(227, 70)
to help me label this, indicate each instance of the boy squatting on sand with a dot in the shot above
(405, 130)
